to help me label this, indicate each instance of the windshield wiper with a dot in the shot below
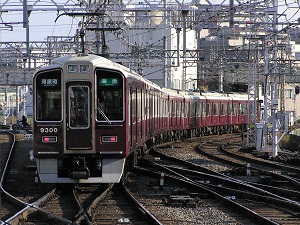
(103, 114)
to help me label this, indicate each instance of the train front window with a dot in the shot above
(78, 106)
(110, 100)
(48, 96)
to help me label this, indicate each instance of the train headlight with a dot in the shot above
(72, 69)
(109, 139)
(49, 139)
(84, 68)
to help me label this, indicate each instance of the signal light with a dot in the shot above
(109, 139)
(49, 139)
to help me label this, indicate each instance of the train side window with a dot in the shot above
(216, 109)
(243, 109)
(234, 109)
(110, 95)
(198, 109)
(223, 109)
(48, 96)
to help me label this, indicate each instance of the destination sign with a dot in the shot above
(49, 82)
(109, 82)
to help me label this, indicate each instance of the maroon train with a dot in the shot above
(90, 114)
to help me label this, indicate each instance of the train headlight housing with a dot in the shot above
(109, 139)
(72, 69)
(84, 68)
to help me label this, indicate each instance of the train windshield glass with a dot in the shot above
(48, 96)
(79, 106)
(110, 99)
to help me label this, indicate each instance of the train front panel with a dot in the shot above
(69, 133)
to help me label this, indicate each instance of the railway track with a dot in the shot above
(259, 171)
(17, 202)
(118, 206)
(284, 209)
(106, 205)
(71, 204)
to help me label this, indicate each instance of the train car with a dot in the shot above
(240, 111)
(217, 112)
(92, 117)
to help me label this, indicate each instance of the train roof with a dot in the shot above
(239, 96)
(97, 61)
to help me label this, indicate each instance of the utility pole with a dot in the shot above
(184, 14)
(6, 101)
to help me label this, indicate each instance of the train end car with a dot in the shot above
(80, 128)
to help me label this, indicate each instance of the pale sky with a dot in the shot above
(42, 23)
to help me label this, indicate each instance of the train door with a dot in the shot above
(139, 114)
(230, 112)
(133, 117)
(79, 129)
(208, 119)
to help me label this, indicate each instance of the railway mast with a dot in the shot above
(270, 122)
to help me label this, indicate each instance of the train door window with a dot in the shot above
(204, 109)
(157, 106)
(208, 109)
(193, 109)
(48, 96)
(187, 105)
(180, 112)
(110, 95)
(243, 109)
(197, 109)
(160, 107)
(138, 105)
(234, 108)
(223, 109)
(154, 104)
(79, 115)
(151, 105)
(230, 109)
(144, 99)
(171, 108)
(133, 105)
(215, 109)
(174, 108)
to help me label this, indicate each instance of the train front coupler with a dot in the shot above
(79, 170)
